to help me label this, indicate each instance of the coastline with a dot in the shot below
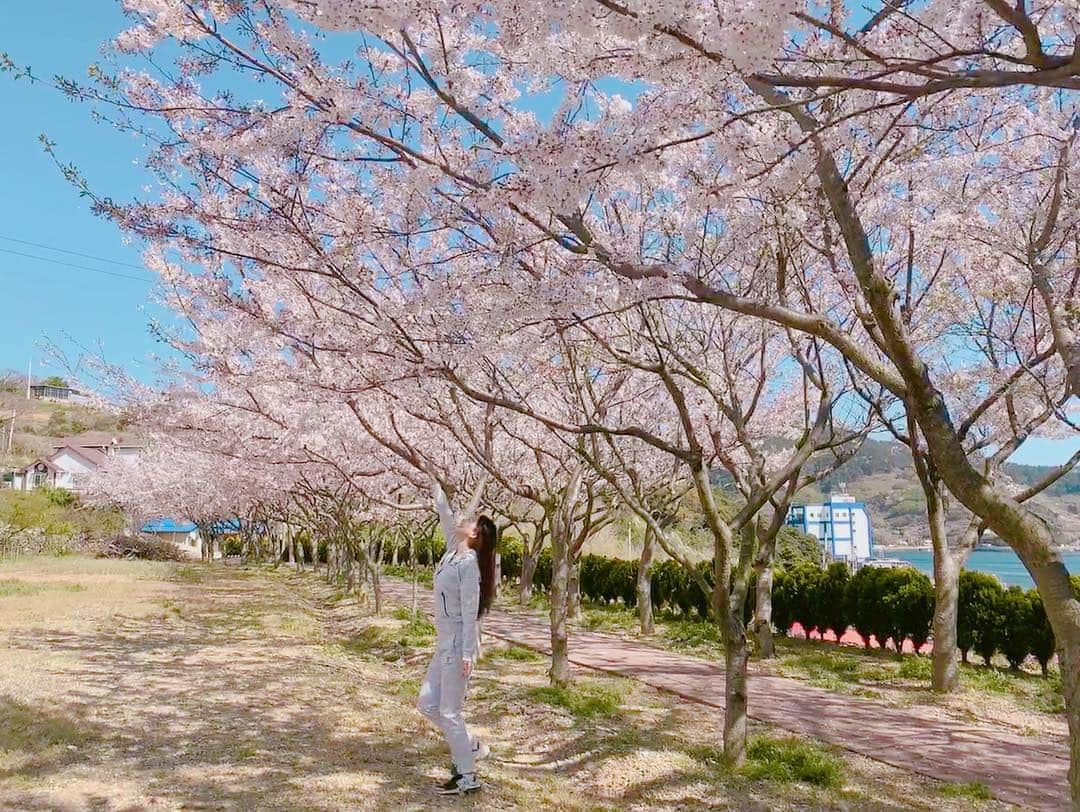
(885, 550)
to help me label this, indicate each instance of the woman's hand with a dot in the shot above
(466, 668)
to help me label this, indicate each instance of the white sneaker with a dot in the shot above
(464, 785)
(480, 750)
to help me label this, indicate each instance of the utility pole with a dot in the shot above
(29, 371)
(11, 433)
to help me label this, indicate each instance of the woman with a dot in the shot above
(464, 587)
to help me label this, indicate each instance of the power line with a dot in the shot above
(79, 267)
(73, 253)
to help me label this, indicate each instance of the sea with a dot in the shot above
(1002, 562)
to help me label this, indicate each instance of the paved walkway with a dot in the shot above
(1031, 773)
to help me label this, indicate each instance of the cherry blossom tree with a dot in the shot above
(367, 199)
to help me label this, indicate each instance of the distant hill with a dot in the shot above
(881, 476)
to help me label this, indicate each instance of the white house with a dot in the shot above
(842, 525)
(73, 458)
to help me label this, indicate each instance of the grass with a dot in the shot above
(13, 587)
(424, 575)
(608, 618)
(988, 679)
(790, 759)
(518, 654)
(835, 671)
(417, 632)
(28, 728)
(584, 699)
(974, 790)
(190, 574)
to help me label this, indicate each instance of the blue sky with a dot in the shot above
(42, 217)
(45, 214)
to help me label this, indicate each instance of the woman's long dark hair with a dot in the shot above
(487, 536)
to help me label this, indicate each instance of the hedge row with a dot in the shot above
(888, 604)
(894, 604)
(898, 604)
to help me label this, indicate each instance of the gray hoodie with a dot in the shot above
(457, 588)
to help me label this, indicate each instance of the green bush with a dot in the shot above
(832, 605)
(1042, 641)
(783, 592)
(908, 596)
(510, 555)
(978, 620)
(806, 604)
(1015, 637)
(879, 603)
(859, 598)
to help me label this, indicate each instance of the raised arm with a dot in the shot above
(446, 516)
(446, 513)
(474, 503)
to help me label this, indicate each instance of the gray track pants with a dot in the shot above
(442, 697)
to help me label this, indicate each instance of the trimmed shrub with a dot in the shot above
(806, 604)
(860, 596)
(1041, 634)
(978, 620)
(1016, 629)
(908, 596)
(832, 605)
(782, 601)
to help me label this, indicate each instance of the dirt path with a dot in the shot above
(1030, 773)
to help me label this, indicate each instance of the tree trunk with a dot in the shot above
(1070, 686)
(766, 647)
(945, 669)
(644, 587)
(562, 524)
(376, 588)
(573, 588)
(528, 571)
(560, 577)
(736, 660)
(736, 648)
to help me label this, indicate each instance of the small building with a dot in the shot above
(184, 535)
(44, 391)
(842, 525)
(71, 459)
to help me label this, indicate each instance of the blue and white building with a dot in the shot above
(842, 524)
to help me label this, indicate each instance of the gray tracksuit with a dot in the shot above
(457, 599)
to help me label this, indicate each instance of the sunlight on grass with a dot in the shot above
(190, 574)
(791, 759)
(690, 635)
(975, 790)
(423, 574)
(516, 653)
(608, 619)
(13, 587)
(916, 668)
(586, 699)
(32, 729)
(988, 679)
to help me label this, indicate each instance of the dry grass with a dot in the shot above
(207, 687)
